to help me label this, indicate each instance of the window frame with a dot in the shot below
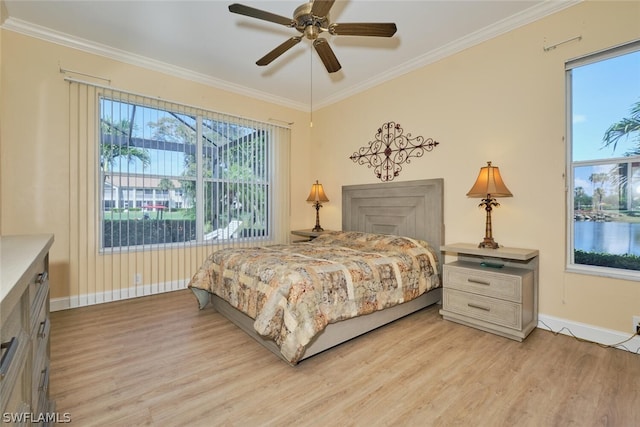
(571, 266)
(201, 181)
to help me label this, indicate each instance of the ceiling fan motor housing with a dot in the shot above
(308, 24)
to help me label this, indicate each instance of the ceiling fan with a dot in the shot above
(311, 19)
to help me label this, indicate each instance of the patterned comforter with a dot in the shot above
(294, 291)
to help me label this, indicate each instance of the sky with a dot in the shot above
(170, 157)
(603, 93)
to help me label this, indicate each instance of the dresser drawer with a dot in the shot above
(40, 387)
(39, 308)
(15, 346)
(41, 337)
(487, 309)
(40, 278)
(40, 363)
(13, 391)
(504, 283)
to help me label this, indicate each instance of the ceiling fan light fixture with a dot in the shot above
(311, 32)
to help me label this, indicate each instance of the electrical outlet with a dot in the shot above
(137, 279)
(636, 324)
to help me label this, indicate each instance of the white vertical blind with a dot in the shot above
(157, 186)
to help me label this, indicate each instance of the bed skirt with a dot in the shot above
(334, 333)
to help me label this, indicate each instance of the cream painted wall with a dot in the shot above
(504, 101)
(3, 16)
(34, 156)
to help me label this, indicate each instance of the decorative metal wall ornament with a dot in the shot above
(390, 150)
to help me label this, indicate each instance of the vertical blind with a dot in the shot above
(157, 186)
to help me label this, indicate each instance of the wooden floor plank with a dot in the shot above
(160, 361)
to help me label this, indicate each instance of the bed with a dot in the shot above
(291, 298)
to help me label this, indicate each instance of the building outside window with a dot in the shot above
(176, 177)
(603, 130)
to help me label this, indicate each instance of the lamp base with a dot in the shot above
(489, 244)
(317, 205)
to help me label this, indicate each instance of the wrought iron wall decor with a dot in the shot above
(390, 150)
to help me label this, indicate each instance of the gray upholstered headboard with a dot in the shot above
(410, 208)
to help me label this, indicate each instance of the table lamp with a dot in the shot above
(488, 186)
(317, 196)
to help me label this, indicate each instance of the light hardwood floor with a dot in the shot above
(160, 361)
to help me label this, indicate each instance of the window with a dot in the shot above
(155, 187)
(603, 98)
(176, 175)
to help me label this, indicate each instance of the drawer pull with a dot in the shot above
(44, 380)
(479, 282)
(7, 357)
(479, 307)
(42, 277)
(43, 330)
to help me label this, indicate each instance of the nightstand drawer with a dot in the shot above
(504, 283)
(487, 309)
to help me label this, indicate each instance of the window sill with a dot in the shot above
(613, 273)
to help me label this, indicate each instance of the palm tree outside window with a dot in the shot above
(604, 162)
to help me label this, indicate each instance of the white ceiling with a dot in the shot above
(203, 41)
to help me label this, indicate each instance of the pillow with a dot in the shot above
(370, 241)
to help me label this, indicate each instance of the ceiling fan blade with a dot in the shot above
(382, 29)
(326, 55)
(261, 14)
(269, 57)
(321, 7)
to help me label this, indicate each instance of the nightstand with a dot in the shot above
(308, 233)
(495, 290)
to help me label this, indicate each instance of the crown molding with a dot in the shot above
(525, 17)
(530, 15)
(63, 39)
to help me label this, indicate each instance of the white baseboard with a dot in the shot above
(590, 333)
(65, 303)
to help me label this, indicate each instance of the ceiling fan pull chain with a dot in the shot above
(311, 86)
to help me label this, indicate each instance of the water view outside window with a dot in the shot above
(604, 102)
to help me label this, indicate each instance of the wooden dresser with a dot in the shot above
(495, 290)
(24, 329)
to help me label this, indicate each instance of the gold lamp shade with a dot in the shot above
(317, 196)
(490, 182)
(489, 185)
